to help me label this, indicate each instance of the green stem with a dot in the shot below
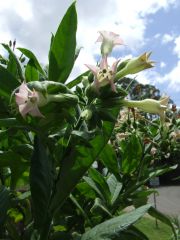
(129, 103)
(122, 73)
(63, 98)
(46, 229)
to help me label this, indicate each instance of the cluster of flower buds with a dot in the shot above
(30, 99)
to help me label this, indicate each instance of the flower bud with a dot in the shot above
(150, 106)
(86, 114)
(136, 65)
(153, 151)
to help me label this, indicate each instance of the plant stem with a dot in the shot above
(122, 73)
(46, 229)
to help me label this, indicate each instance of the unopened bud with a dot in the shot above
(86, 114)
(153, 151)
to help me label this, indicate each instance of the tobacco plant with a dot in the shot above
(60, 177)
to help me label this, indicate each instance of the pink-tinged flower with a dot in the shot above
(109, 40)
(104, 74)
(28, 101)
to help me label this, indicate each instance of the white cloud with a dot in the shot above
(31, 21)
(149, 76)
(176, 49)
(166, 38)
(22, 8)
(162, 64)
(157, 35)
(173, 79)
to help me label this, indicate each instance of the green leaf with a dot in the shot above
(148, 176)
(12, 66)
(135, 234)
(33, 60)
(78, 161)
(9, 122)
(111, 229)
(131, 154)
(115, 188)
(163, 218)
(78, 206)
(24, 150)
(40, 182)
(101, 183)
(62, 51)
(18, 65)
(85, 190)
(31, 72)
(121, 227)
(109, 159)
(94, 186)
(100, 207)
(104, 115)
(77, 80)
(4, 203)
(16, 163)
(7, 83)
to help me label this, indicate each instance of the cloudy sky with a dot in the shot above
(144, 25)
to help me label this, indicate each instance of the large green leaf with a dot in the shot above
(78, 161)
(16, 163)
(7, 83)
(33, 60)
(101, 183)
(134, 234)
(94, 186)
(100, 207)
(16, 61)
(109, 159)
(121, 227)
(112, 229)
(12, 66)
(40, 182)
(163, 218)
(4, 203)
(31, 72)
(131, 154)
(115, 187)
(9, 122)
(62, 51)
(77, 80)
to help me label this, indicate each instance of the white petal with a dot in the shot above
(35, 112)
(25, 108)
(93, 68)
(20, 99)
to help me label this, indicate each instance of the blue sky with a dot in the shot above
(151, 25)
